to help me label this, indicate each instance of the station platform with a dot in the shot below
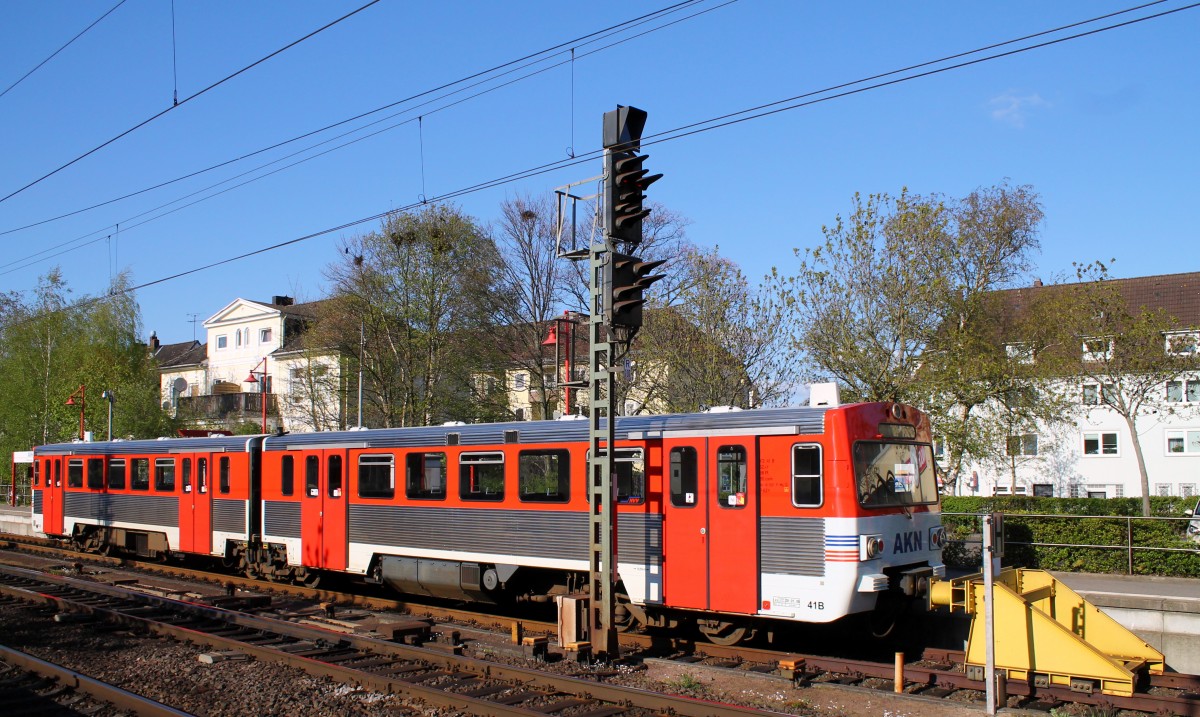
(1165, 612)
(16, 521)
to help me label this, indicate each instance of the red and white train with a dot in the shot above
(729, 519)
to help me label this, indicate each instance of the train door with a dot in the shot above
(195, 515)
(733, 525)
(685, 525)
(52, 497)
(323, 510)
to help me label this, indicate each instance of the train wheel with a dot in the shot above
(725, 633)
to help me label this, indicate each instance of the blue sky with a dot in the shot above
(1103, 127)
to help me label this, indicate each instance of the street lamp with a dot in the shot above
(110, 397)
(262, 388)
(81, 392)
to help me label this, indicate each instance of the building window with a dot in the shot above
(1073, 490)
(1095, 395)
(1098, 349)
(1120, 491)
(1023, 445)
(1162, 490)
(1183, 344)
(1188, 391)
(1183, 442)
(519, 414)
(237, 338)
(222, 341)
(520, 381)
(1043, 490)
(1187, 490)
(264, 336)
(1100, 444)
(1097, 494)
(1019, 352)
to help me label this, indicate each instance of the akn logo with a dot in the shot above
(908, 542)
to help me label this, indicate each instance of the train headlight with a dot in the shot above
(870, 547)
(937, 538)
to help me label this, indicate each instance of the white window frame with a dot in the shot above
(1188, 390)
(1188, 341)
(520, 381)
(1091, 354)
(1181, 435)
(1021, 352)
(1099, 436)
(1100, 390)
(222, 342)
(265, 336)
(1023, 444)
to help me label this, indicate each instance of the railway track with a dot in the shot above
(935, 674)
(436, 676)
(29, 686)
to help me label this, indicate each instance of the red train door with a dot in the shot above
(685, 524)
(733, 525)
(323, 510)
(52, 497)
(195, 514)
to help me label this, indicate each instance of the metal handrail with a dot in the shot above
(1128, 547)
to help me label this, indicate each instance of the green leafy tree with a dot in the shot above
(420, 288)
(899, 303)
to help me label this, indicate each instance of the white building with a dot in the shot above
(1093, 456)
(209, 386)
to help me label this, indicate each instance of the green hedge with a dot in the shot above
(1022, 527)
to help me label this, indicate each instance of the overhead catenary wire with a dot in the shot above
(582, 40)
(73, 244)
(68, 44)
(667, 136)
(187, 99)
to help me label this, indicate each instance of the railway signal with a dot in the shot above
(626, 179)
(631, 277)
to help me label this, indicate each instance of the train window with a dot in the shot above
(425, 476)
(223, 474)
(891, 474)
(481, 476)
(630, 469)
(312, 476)
(544, 476)
(75, 473)
(806, 476)
(95, 473)
(683, 476)
(202, 475)
(731, 476)
(164, 474)
(186, 476)
(334, 476)
(287, 478)
(140, 476)
(376, 477)
(36, 473)
(57, 472)
(116, 473)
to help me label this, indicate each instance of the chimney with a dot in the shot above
(153, 343)
(1037, 283)
(282, 300)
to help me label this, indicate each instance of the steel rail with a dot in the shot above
(620, 699)
(79, 682)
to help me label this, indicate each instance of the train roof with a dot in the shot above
(212, 444)
(782, 421)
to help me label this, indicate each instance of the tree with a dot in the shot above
(420, 287)
(715, 344)
(899, 304)
(51, 345)
(1131, 354)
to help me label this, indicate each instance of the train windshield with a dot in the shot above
(890, 474)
